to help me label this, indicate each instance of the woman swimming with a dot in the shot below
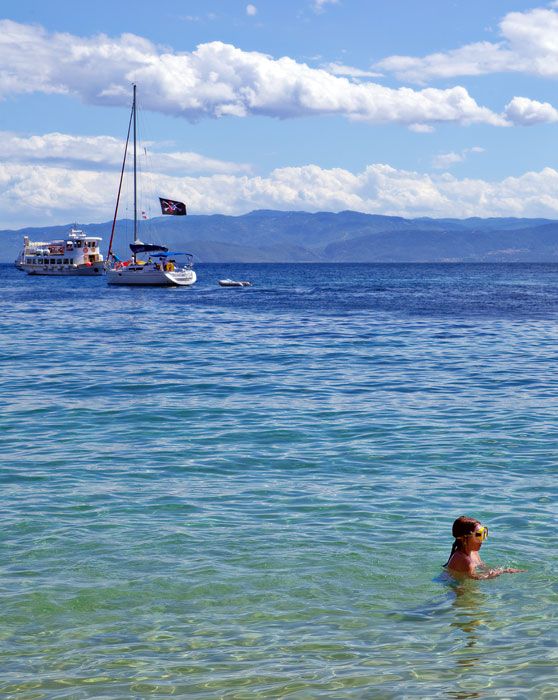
(464, 559)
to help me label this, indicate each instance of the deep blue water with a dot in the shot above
(248, 493)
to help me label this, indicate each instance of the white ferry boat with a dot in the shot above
(77, 254)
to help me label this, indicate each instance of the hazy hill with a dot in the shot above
(276, 236)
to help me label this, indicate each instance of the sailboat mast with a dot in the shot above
(135, 173)
(110, 254)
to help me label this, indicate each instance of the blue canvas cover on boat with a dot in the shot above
(147, 248)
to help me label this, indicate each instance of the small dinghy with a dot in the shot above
(235, 283)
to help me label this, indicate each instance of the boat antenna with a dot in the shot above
(109, 254)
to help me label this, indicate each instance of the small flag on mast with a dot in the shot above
(169, 206)
(143, 215)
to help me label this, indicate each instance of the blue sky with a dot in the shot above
(438, 108)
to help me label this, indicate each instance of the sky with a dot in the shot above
(442, 108)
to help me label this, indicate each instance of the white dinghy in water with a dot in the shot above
(235, 283)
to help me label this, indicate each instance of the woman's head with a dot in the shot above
(469, 529)
(469, 534)
(464, 526)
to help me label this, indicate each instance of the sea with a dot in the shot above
(248, 493)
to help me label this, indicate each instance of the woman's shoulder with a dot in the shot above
(460, 561)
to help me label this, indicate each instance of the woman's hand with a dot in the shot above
(492, 573)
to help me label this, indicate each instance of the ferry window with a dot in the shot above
(66, 261)
(93, 244)
(52, 261)
(78, 244)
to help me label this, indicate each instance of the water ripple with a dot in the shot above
(249, 493)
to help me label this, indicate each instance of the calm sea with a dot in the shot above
(248, 493)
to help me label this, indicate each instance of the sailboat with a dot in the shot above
(162, 267)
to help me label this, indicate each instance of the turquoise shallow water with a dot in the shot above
(249, 493)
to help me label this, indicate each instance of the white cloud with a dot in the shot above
(215, 80)
(103, 153)
(528, 46)
(349, 71)
(421, 128)
(473, 59)
(55, 195)
(319, 5)
(446, 160)
(251, 10)
(61, 148)
(525, 112)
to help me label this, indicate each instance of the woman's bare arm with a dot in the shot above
(492, 573)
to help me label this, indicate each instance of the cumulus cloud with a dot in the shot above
(214, 80)
(528, 45)
(525, 112)
(55, 195)
(104, 152)
(251, 10)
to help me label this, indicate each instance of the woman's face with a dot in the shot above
(476, 538)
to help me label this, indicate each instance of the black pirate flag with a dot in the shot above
(169, 206)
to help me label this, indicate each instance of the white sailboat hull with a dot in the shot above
(147, 276)
(160, 270)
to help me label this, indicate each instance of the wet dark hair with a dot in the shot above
(461, 527)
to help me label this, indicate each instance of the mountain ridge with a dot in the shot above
(347, 236)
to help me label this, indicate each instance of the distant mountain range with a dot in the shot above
(349, 236)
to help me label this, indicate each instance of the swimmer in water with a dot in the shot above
(464, 559)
